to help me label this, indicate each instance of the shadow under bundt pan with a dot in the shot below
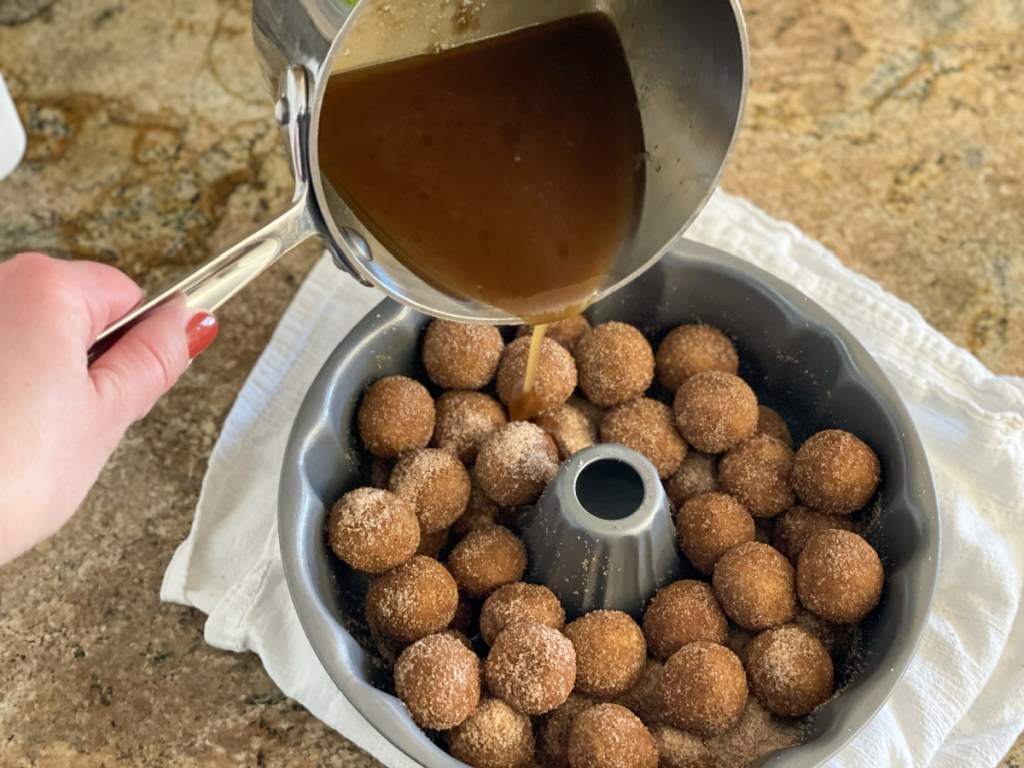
(797, 358)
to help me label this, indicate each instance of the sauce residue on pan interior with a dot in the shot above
(508, 170)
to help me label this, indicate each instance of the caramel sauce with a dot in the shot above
(524, 403)
(509, 170)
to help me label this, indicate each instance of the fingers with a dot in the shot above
(142, 365)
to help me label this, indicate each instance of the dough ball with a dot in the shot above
(770, 423)
(516, 463)
(412, 601)
(789, 671)
(493, 736)
(693, 348)
(461, 355)
(703, 689)
(681, 613)
(569, 427)
(610, 736)
(610, 652)
(531, 667)
(486, 559)
(755, 586)
(373, 530)
(696, 475)
(646, 426)
(438, 680)
(757, 472)
(395, 415)
(435, 483)
(555, 379)
(715, 411)
(795, 527)
(615, 364)
(839, 576)
(836, 472)
(464, 420)
(709, 525)
(518, 602)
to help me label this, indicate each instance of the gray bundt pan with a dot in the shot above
(799, 360)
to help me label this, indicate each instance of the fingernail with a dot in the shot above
(200, 333)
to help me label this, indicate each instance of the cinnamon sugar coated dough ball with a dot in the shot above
(709, 525)
(696, 475)
(566, 331)
(757, 472)
(703, 689)
(480, 512)
(795, 527)
(594, 414)
(789, 671)
(464, 420)
(715, 411)
(486, 559)
(610, 736)
(395, 415)
(554, 729)
(435, 483)
(555, 379)
(615, 364)
(461, 355)
(693, 348)
(679, 749)
(571, 430)
(755, 586)
(839, 576)
(516, 463)
(770, 423)
(681, 613)
(531, 667)
(494, 736)
(438, 680)
(519, 602)
(836, 472)
(646, 426)
(610, 652)
(373, 530)
(411, 601)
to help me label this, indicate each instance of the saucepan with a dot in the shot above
(687, 58)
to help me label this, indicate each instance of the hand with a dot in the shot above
(60, 419)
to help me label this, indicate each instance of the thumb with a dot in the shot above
(147, 361)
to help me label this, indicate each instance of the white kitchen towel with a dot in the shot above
(962, 701)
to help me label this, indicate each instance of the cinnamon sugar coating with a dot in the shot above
(703, 689)
(709, 525)
(494, 736)
(839, 576)
(435, 483)
(411, 601)
(610, 736)
(555, 378)
(789, 670)
(464, 420)
(373, 530)
(693, 348)
(531, 667)
(438, 680)
(615, 364)
(516, 463)
(681, 613)
(757, 472)
(715, 411)
(836, 472)
(610, 652)
(487, 558)
(648, 427)
(517, 602)
(754, 584)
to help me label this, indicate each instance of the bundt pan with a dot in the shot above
(797, 358)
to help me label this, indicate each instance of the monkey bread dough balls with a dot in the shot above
(519, 601)
(395, 415)
(555, 379)
(493, 736)
(610, 736)
(839, 576)
(461, 355)
(696, 475)
(755, 586)
(757, 472)
(373, 530)
(435, 483)
(610, 652)
(487, 558)
(703, 689)
(480, 512)
(615, 364)
(646, 426)
(411, 601)
(690, 349)
(569, 427)
(464, 420)
(789, 671)
(709, 525)
(566, 331)
(643, 698)
(679, 749)
(836, 472)
(795, 527)
(770, 423)
(516, 463)
(715, 411)
(531, 667)
(681, 613)
(438, 680)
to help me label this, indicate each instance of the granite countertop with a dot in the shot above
(888, 130)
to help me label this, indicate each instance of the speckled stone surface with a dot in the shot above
(886, 130)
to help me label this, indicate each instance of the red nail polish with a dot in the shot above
(200, 333)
